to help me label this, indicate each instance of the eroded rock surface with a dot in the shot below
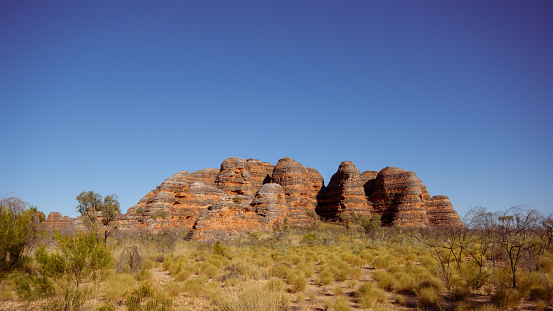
(249, 195)
(344, 194)
(301, 186)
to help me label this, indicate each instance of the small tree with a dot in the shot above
(16, 229)
(91, 205)
(515, 233)
(371, 225)
(77, 260)
(313, 215)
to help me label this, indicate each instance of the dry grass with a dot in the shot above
(254, 299)
(116, 286)
(280, 273)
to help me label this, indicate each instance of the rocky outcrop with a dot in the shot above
(344, 194)
(260, 173)
(399, 197)
(269, 204)
(301, 186)
(234, 178)
(440, 212)
(250, 195)
(56, 222)
(225, 221)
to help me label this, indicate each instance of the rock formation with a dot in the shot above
(399, 197)
(301, 186)
(440, 212)
(250, 195)
(344, 193)
(56, 222)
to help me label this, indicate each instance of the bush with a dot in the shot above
(298, 282)
(507, 298)
(194, 287)
(220, 249)
(16, 228)
(275, 285)
(280, 270)
(369, 295)
(146, 297)
(428, 296)
(383, 262)
(160, 214)
(340, 304)
(173, 288)
(71, 299)
(31, 287)
(385, 280)
(78, 259)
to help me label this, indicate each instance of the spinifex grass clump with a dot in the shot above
(369, 295)
(297, 281)
(254, 299)
(116, 286)
(334, 269)
(148, 298)
(407, 279)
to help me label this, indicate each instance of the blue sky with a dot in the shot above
(116, 96)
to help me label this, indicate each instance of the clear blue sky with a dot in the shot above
(116, 96)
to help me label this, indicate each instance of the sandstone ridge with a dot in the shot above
(249, 195)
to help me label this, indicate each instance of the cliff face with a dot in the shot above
(250, 195)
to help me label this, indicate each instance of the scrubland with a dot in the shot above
(326, 266)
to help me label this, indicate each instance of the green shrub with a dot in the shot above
(16, 228)
(238, 199)
(160, 214)
(77, 261)
(31, 287)
(220, 249)
(182, 276)
(210, 270)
